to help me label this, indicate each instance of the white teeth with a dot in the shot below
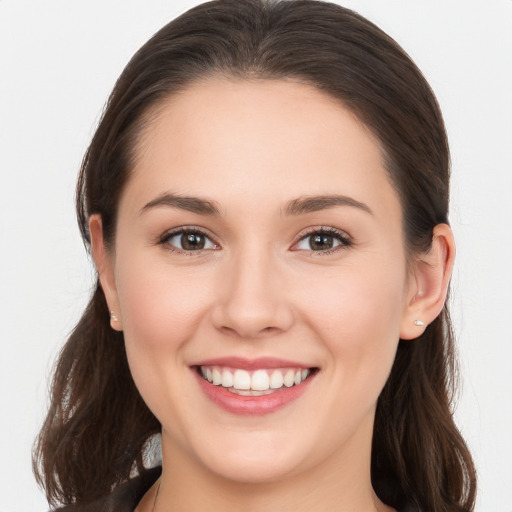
(258, 382)
(216, 377)
(289, 378)
(241, 380)
(227, 379)
(276, 380)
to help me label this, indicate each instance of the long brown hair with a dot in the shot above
(98, 425)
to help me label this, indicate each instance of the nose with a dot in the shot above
(252, 299)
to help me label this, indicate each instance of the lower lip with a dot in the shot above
(252, 405)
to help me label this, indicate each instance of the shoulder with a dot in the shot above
(123, 498)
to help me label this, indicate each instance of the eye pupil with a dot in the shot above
(321, 242)
(192, 241)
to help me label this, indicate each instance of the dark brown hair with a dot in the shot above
(97, 425)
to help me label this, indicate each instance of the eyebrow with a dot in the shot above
(191, 204)
(299, 206)
(311, 204)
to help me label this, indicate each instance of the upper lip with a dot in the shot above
(252, 364)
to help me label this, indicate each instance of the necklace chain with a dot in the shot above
(156, 496)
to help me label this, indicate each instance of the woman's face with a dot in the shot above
(259, 243)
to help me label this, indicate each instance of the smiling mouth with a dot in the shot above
(258, 382)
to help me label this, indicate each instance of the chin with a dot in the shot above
(254, 468)
(248, 457)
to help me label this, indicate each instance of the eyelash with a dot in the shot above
(342, 237)
(165, 240)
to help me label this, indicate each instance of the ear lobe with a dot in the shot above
(430, 280)
(103, 260)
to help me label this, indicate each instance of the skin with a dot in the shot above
(259, 289)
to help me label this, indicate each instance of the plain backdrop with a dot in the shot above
(59, 61)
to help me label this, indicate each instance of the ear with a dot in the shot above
(104, 261)
(428, 285)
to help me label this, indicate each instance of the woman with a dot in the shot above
(266, 202)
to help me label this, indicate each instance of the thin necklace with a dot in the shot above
(156, 496)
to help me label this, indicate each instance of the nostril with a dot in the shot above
(249, 334)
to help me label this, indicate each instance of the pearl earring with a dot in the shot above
(419, 323)
(113, 317)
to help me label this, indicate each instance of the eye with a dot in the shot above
(323, 240)
(188, 240)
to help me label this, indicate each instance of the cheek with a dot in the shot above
(161, 310)
(159, 304)
(361, 297)
(357, 314)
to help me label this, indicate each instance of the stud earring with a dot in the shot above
(419, 323)
(113, 317)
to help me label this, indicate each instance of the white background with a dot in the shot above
(58, 62)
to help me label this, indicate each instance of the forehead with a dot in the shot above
(270, 139)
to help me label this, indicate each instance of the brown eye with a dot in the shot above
(323, 240)
(188, 241)
(192, 241)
